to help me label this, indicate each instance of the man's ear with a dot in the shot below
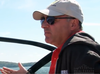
(74, 24)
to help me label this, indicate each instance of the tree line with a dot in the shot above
(13, 64)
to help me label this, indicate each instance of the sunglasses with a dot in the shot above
(51, 19)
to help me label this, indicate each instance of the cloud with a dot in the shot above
(26, 4)
(5, 33)
(1, 54)
(2, 2)
(90, 24)
(17, 4)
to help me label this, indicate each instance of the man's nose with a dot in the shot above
(45, 24)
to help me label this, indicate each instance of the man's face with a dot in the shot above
(58, 32)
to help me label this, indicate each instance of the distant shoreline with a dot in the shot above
(13, 64)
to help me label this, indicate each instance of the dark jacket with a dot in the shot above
(79, 55)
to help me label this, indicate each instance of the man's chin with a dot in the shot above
(47, 40)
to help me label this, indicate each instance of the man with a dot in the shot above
(77, 52)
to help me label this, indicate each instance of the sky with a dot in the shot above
(16, 21)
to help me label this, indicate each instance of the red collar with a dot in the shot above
(54, 59)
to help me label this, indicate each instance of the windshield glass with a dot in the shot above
(16, 21)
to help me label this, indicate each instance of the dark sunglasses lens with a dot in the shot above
(50, 20)
(42, 20)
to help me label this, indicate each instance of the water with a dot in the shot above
(43, 70)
